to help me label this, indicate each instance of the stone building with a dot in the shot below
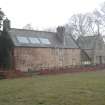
(92, 49)
(40, 49)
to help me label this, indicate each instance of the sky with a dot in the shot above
(42, 14)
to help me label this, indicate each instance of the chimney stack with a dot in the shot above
(6, 24)
(61, 34)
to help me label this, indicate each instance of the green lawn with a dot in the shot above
(66, 89)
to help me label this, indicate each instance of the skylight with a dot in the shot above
(22, 39)
(44, 41)
(34, 40)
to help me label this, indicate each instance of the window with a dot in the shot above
(44, 41)
(22, 39)
(34, 40)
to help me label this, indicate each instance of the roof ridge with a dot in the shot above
(32, 30)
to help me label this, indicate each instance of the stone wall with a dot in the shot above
(36, 58)
(99, 52)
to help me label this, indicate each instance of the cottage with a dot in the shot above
(39, 49)
(92, 49)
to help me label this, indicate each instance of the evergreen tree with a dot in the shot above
(5, 50)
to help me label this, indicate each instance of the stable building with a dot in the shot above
(40, 49)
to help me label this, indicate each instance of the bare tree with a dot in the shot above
(84, 24)
(87, 24)
(28, 27)
(80, 25)
(100, 17)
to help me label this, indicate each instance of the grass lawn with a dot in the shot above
(66, 89)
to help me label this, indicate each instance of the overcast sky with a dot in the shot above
(45, 13)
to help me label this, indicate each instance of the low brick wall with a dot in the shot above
(46, 71)
(71, 69)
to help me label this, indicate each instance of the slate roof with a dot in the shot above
(51, 36)
(87, 42)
